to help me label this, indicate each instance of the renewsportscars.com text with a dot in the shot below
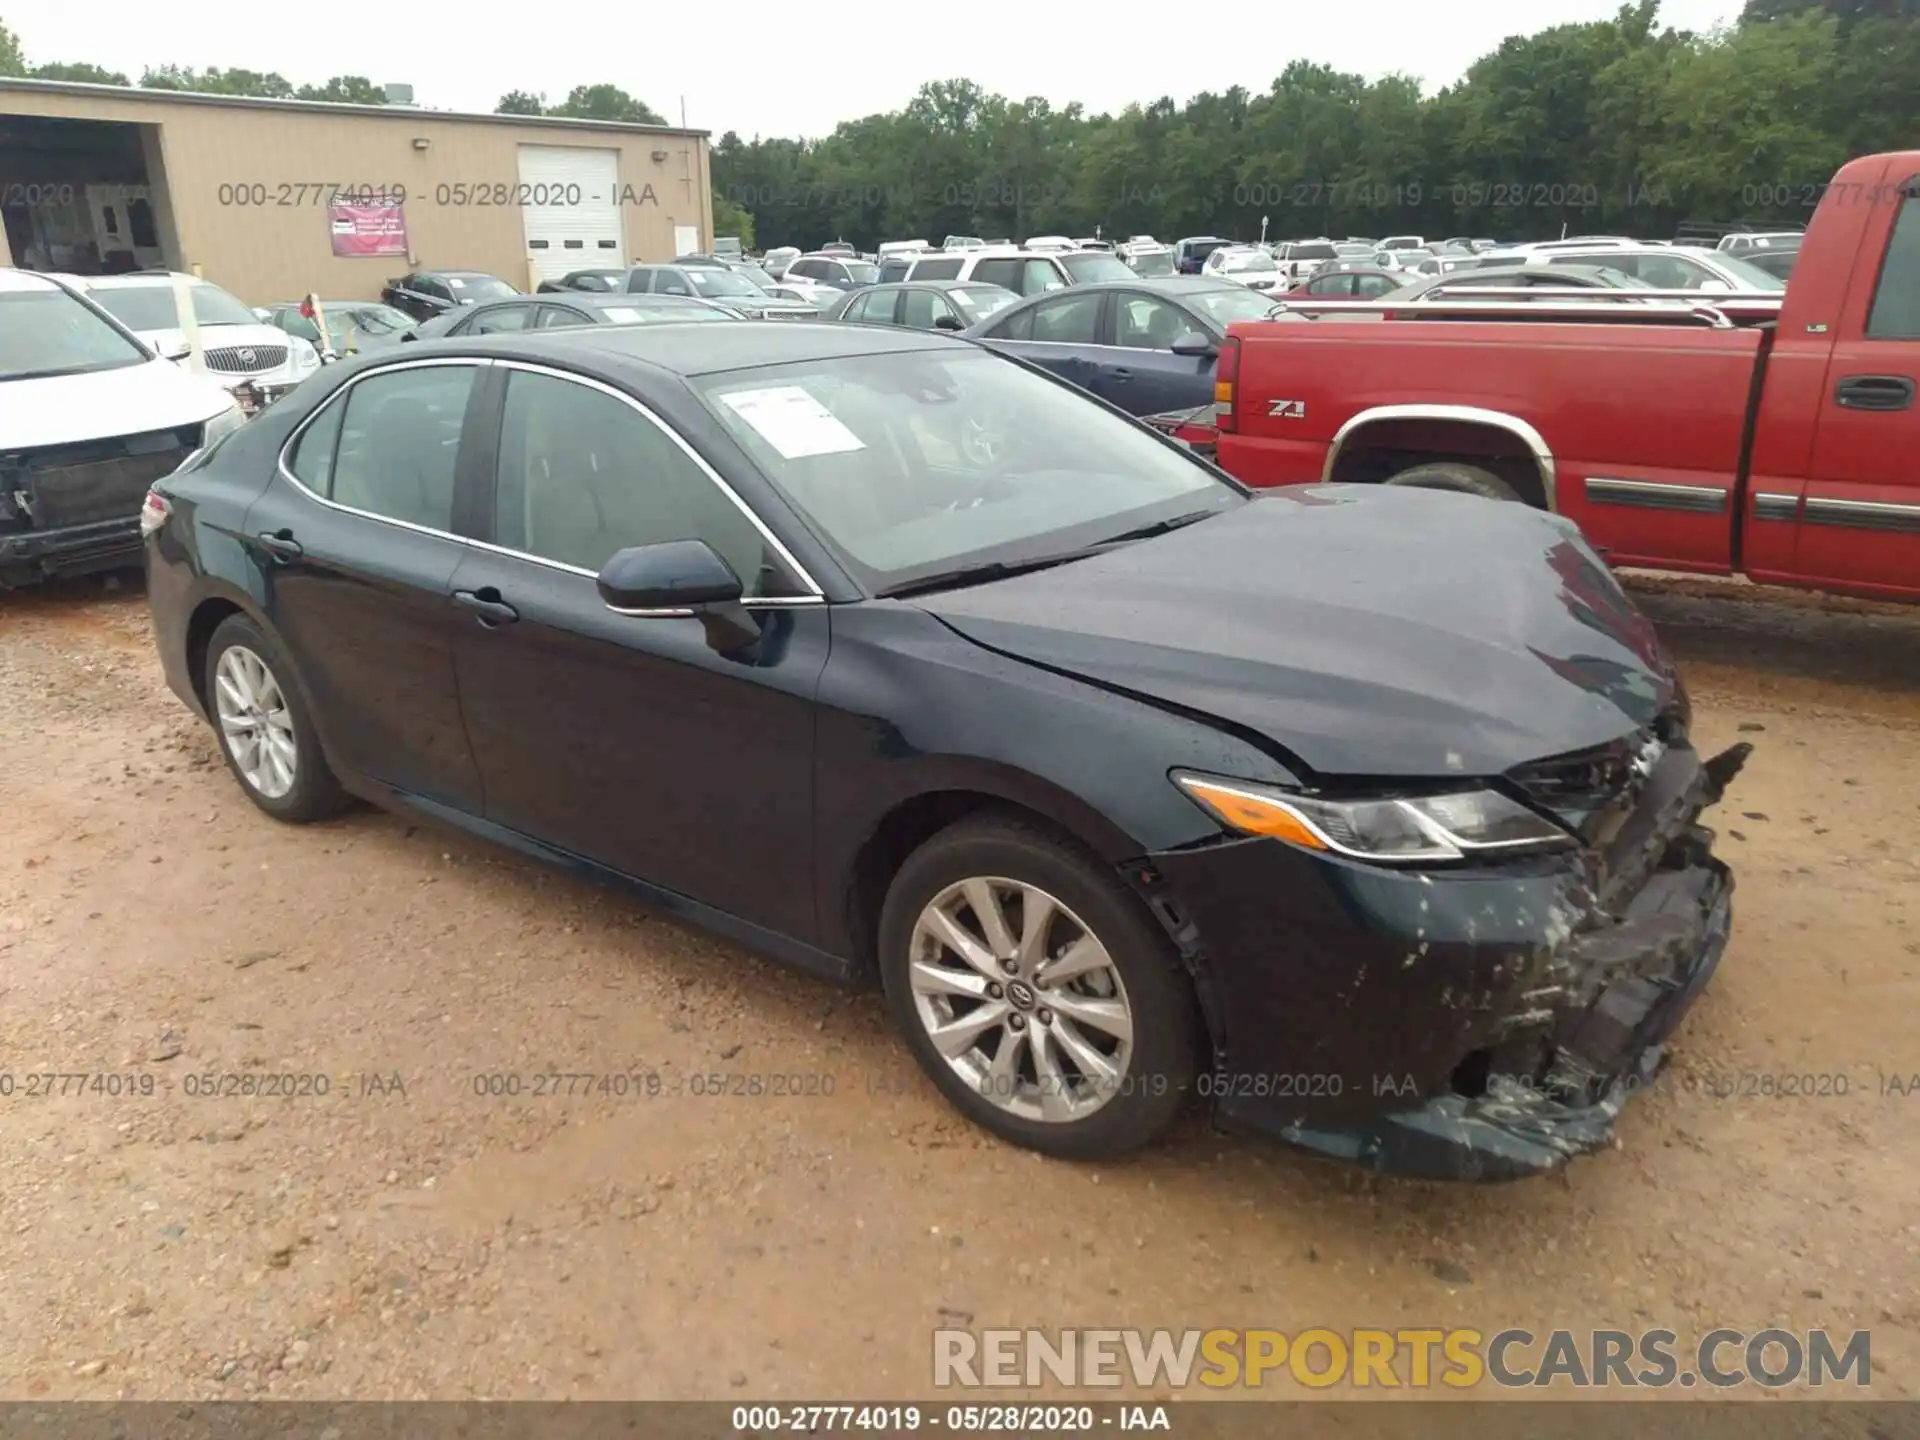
(1455, 1358)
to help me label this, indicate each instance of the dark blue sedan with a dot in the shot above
(1147, 346)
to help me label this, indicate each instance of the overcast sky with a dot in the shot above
(782, 69)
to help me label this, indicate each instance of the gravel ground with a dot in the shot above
(403, 1236)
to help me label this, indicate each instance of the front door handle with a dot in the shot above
(1875, 392)
(281, 545)
(1119, 375)
(487, 605)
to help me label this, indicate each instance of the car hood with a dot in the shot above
(220, 337)
(132, 400)
(1366, 631)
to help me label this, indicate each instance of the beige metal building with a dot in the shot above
(273, 199)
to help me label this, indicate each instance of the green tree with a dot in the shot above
(606, 102)
(521, 102)
(215, 81)
(79, 73)
(346, 90)
(731, 219)
(12, 61)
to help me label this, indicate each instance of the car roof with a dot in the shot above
(26, 280)
(137, 282)
(460, 274)
(714, 349)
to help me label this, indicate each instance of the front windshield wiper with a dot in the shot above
(1159, 527)
(978, 574)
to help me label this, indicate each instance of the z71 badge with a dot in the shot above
(1288, 409)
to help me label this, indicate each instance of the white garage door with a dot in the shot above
(572, 209)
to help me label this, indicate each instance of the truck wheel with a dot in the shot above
(1452, 475)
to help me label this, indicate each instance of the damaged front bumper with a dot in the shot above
(1486, 1024)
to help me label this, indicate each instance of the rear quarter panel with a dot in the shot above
(1662, 403)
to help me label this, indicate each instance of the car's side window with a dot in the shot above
(670, 282)
(805, 269)
(1370, 286)
(880, 307)
(1896, 301)
(1017, 326)
(856, 310)
(553, 317)
(918, 307)
(312, 459)
(1070, 320)
(639, 281)
(1038, 276)
(437, 289)
(399, 440)
(997, 272)
(584, 474)
(1144, 323)
(501, 320)
(943, 267)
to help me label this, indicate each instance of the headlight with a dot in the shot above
(223, 424)
(1413, 829)
(305, 357)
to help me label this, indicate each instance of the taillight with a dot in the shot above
(1226, 375)
(154, 512)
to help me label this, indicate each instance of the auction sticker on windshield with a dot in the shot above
(793, 422)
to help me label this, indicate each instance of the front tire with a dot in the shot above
(1036, 992)
(263, 727)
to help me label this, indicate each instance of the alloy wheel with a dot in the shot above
(255, 722)
(1021, 998)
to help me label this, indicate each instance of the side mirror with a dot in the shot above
(1194, 345)
(947, 322)
(179, 350)
(676, 577)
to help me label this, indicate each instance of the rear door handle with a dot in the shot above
(488, 606)
(1119, 375)
(281, 545)
(1875, 392)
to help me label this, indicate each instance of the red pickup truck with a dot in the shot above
(1775, 438)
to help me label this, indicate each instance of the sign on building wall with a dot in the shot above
(364, 230)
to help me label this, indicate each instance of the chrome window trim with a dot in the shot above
(816, 597)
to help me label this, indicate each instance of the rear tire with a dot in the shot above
(1067, 1024)
(1454, 475)
(261, 722)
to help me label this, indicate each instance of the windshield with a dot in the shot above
(345, 325)
(1153, 262)
(718, 282)
(1224, 306)
(759, 278)
(1353, 252)
(919, 463)
(1750, 276)
(1250, 260)
(1088, 267)
(48, 332)
(151, 307)
(978, 304)
(864, 272)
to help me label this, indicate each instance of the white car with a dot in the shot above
(1249, 265)
(1404, 242)
(1049, 243)
(776, 260)
(257, 362)
(89, 417)
(1025, 272)
(1665, 267)
(1298, 259)
(812, 291)
(1147, 259)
